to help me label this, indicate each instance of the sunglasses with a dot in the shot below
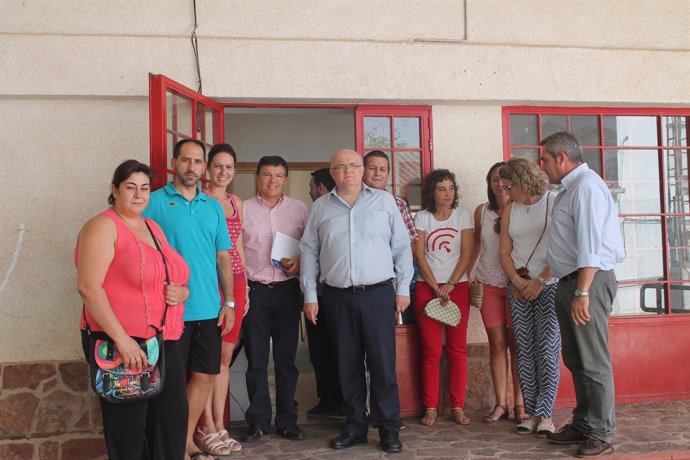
(507, 188)
(497, 225)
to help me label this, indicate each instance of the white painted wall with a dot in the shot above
(73, 89)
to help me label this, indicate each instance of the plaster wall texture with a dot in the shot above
(653, 24)
(329, 71)
(58, 159)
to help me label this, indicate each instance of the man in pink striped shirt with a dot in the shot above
(275, 301)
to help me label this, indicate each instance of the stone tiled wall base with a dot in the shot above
(48, 411)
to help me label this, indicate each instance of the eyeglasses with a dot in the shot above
(342, 167)
(497, 225)
(507, 188)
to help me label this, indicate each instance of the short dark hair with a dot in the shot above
(563, 141)
(272, 161)
(126, 169)
(378, 154)
(429, 185)
(493, 201)
(323, 177)
(180, 143)
(221, 148)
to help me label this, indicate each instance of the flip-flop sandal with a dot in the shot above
(491, 418)
(457, 415)
(429, 418)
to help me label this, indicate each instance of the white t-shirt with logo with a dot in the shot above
(443, 241)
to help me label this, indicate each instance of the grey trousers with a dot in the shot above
(586, 355)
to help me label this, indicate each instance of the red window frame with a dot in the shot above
(159, 87)
(600, 112)
(423, 112)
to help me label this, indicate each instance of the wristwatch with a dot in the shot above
(452, 282)
(230, 304)
(542, 281)
(579, 293)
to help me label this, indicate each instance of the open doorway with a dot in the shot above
(304, 137)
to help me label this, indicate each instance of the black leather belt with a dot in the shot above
(570, 276)
(361, 287)
(275, 284)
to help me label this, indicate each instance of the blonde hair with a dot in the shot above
(526, 174)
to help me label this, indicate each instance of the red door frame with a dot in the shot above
(159, 85)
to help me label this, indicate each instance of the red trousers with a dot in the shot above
(431, 336)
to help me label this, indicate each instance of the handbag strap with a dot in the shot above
(165, 266)
(546, 220)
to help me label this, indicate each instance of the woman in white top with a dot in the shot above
(443, 253)
(494, 307)
(532, 297)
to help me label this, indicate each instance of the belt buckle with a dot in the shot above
(358, 289)
(271, 285)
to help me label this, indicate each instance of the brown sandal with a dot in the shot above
(457, 414)
(429, 417)
(492, 418)
(520, 414)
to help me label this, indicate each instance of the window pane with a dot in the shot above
(523, 130)
(407, 167)
(630, 131)
(532, 154)
(552, 124)
(204, 125)
(593, 159)
(637, 172)
(407, 132)
(172, 140)
(674, 130)
(677, 180)
(377, 132)
(179, 115)
(642, 236)
(645, 298)
(678, 247)
(586, 129)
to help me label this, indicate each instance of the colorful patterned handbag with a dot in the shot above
(447, 313)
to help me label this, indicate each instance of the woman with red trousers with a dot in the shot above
(443, 253)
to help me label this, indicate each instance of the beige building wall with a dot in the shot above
(74, 87)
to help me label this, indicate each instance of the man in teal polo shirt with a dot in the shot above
(195, 226)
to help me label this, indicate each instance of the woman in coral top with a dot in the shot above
(121, 280)
(214, 436)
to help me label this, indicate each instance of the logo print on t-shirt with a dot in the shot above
(441, 239)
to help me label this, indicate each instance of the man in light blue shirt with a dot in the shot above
(584, 247)
(356, 239)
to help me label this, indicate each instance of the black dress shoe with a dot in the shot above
(567, 435)
(253, 433)
(347, 440)
(322, 409)
(390, 441)
(291, 432)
